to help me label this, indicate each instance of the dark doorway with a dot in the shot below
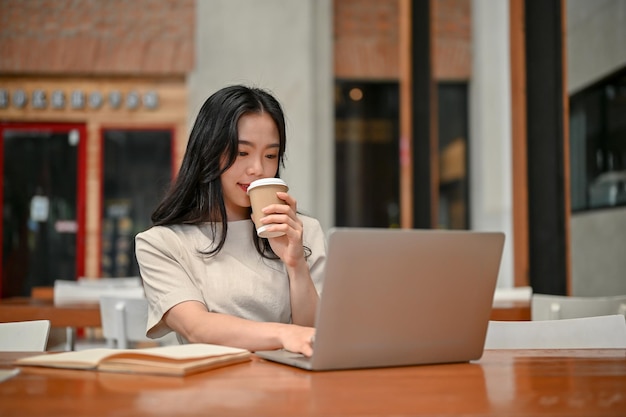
(137, 169)
(367, 154)
(42, 205)
(453, 156)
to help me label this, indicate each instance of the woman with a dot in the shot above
(207, 275)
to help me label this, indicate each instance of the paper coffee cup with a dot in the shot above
(262, 194)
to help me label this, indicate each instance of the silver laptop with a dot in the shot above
(396, 297)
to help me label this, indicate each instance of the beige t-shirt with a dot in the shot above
(237, 281)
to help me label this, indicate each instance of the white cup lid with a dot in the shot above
(266, 181)
(262, 232)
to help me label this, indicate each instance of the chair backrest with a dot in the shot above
(24, 336)
(124, 320)
(597, 332)
(513, 294)
(89, 291)
(117, 282)
(554, 307)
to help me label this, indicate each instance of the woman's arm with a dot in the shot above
(290, 250)
(303, 295)
(191, 320)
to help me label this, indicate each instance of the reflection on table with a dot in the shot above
(502, 383)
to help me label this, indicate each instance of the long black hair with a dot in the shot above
(196, 195)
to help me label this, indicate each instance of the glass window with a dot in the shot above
(453, 151)
(137, 168)
(366, 152)
(598, 144)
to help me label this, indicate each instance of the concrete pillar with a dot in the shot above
(490, 127)
(284, 46)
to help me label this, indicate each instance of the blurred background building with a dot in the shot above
(429, 114)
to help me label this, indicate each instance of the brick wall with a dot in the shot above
(452, 30)
(366, 39)
(129, 37)
(366, 36)
(156, 37)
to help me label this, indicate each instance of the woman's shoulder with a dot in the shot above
(312, 228)
(171, 232)
(309, 221)
(175, 239)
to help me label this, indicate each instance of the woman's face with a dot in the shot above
(257, 157)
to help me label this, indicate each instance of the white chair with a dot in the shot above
(117, 282)
(124, 322)
(554, 307)
(24, 336)
(90, 290)
(596, 332)
(513, 294)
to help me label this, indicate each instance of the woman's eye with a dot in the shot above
(271, 156)
(242, 153)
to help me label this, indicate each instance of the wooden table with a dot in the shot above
(74, 315)
(69, 316)
(514, 310)
(589, 383)
(88, 314)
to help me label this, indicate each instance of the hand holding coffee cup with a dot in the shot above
(262, 194)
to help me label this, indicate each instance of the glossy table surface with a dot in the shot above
(26, 308)
(513, 310)
(41, 306)
(590, 383)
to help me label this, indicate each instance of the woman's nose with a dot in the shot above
(255, 167)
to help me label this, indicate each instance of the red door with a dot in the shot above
(43, 205)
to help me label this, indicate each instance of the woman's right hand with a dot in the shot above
(193, 322)
(298, 339)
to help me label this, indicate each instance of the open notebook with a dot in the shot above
(175, 360)
(396, 297)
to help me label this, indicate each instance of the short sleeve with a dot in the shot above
(167, 281)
